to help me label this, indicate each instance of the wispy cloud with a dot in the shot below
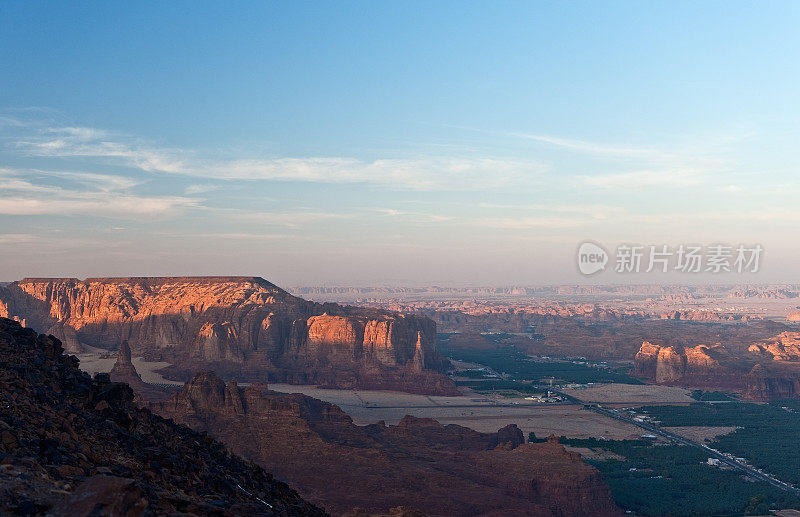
(524, 223)
(647, 166)
(731, 188)
(16, 238)
(251, 236)
(98, 143)
(414, 217)
(102, 195)
(428, 173)
(200, 189)
(115, 195)
(420, 173)
(102, 182)
(10, 183)
(638, 180)
(596, 148)
(287, 219)
(102, 205)
(596, 211)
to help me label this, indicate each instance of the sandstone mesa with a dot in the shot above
(243, 327)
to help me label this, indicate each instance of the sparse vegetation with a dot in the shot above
(768, 438)
(493, 385)
(474, 374)
(674, 480)
(710, 396)
(532, 438)
(516, 366)
(497, 337)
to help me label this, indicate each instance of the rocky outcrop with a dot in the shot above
(707, 316)
(768, 370)
(416, 466)
(777, 375)
(242, 327)
(104, 495)
(767, 384)
(783, 347)
(575, 490)
(668, 364)
(701, 315)
(123, 369)
(399, 511)
(699, 366)
(73, 445)
(646, 360)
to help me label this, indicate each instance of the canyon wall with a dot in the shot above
(766, 370)
(240, 326)
(418, 463)
(783, 347)
(777, 375)
(770, 384)
(699, 365)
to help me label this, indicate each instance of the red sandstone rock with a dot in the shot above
(783, 347)
(418, 464)
(239, 326)
(772, 382)
(698, 366)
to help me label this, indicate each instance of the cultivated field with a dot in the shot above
(475, 412)
(631, 394)
(701, 433)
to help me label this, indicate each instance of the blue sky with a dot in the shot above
(378, 142)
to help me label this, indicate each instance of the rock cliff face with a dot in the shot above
(767, 370)
(76, 446)
(419, 463)
(674, 364)
(124, 371)
(783, 347)
(769, 384)
(698, 366)
(777, 376)
(239, 326)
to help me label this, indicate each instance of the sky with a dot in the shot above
(400, 143)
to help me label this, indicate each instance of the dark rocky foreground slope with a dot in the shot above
(72, 445)
(243, 327)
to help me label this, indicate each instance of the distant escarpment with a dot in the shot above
(767, 370)
(76, 446)
(707, 316)
(238, 326)
(418, 464)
